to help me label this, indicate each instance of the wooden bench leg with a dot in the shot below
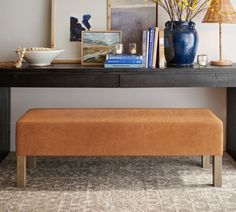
(31, 162)
(205, 162)
(217, 171)
(21, 171)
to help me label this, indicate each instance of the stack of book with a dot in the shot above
(153, 53)
(123, 61)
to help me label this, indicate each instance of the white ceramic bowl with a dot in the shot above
(41, 58)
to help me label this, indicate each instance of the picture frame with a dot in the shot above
(131, 17)
(68, 16)
(96, 44)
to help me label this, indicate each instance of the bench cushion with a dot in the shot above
(119, 132)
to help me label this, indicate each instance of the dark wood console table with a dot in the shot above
(98, 77)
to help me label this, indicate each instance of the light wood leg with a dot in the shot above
(31, 162)
(21, 171)
(205, 162)
(217, 171)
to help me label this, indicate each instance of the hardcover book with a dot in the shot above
(123, 65)
(144, 47)
(111, 61)
(147, 49)
(162, 61)
(151, 46)
(154, 59)
(123, 57)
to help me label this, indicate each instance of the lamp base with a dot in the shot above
(221, 63)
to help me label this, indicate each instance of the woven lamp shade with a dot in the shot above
(220, 11)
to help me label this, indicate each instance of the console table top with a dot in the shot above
(81, 68)
(75, 75)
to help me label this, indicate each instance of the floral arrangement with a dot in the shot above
(183, 10)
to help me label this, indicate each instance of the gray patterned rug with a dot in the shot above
(118, 184)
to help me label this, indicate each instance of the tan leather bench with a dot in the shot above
(119, 132)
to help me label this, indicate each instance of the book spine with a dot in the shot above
(144, 47)
(123, 65)
(154, 59)
(123, 57)
(123, 61)
(162, 60)
(151, 46)
(147, 50)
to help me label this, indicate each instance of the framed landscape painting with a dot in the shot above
(131, 17)
(69, 19)
(96, 44)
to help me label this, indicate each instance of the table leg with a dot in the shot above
(206, 162)
(21, 171)
(217, 171)
(231, 123)
(5, 112)
(31, 162)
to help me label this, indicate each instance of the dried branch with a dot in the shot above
(182, 10)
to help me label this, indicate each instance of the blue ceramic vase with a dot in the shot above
(181, 42)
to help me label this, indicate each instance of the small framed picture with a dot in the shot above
(96, 44)
(69, 19)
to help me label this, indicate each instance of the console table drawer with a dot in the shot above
(57, 79)
(177, 79)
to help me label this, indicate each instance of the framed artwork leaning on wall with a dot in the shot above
(69, 18)
(131, 17)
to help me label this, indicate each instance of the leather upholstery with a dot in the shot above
(119, 132)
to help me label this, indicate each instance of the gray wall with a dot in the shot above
(27, 23)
